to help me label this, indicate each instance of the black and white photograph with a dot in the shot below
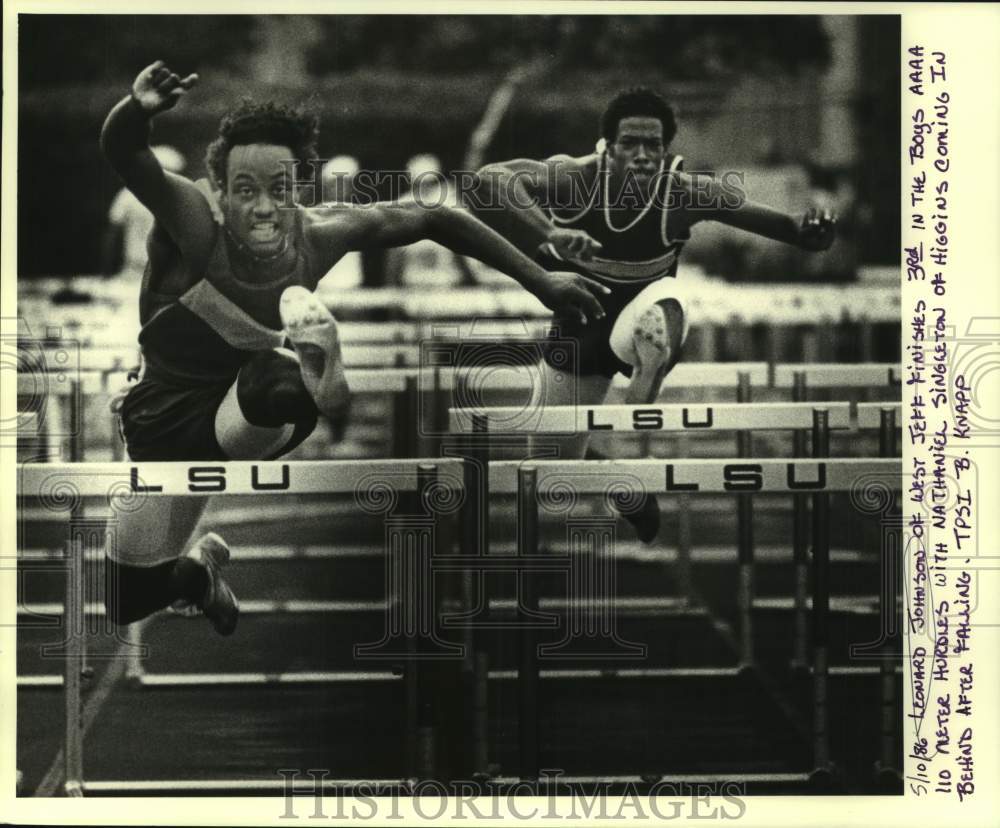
(419, 411)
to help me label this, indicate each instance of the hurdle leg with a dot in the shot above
(823, 769)
(409, 621)
(867, 339)
(450, 688)
(475, 595)
(685, 578)
(887, 772)
(826, 339)
(709, 351)
(404, 416)
(527, 673)
(53, 420)
(800, 541)
(423, 676)
(77, 440)
(745, 541)
(73, 662)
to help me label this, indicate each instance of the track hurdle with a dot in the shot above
(598, 477)
(679, 418)
(374, 483)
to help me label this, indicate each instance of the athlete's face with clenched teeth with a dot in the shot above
(258, 199)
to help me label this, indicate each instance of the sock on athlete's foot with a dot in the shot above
(188, 581)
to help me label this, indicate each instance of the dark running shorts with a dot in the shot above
(164, 422)
(585, 350)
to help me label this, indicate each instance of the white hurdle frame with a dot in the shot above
(639, 419)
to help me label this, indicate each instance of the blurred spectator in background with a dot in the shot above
(130, 222)
(427, 264)
(337, 181)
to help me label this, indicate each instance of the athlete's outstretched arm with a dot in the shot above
(172, 199)
(392, 224)
(814, 232)
(507, 196)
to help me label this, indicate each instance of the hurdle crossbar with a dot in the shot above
(50, 680)
(624, 551)
(642, 419)
(838, 375)
(389, 380)
(257, 607)
(114, 359)
(59, 485)
(40, 385)
(707, 503)
(62, 483)
(276, 785)
(308, 786)
(710, 375)
(715, 475)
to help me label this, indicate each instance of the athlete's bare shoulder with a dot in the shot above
(328, 230)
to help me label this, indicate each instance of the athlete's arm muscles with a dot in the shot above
(392, 224)
(174, 201)
(508, 197)
(710, 200)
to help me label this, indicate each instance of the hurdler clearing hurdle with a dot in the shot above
(621, 216)
(233, 264)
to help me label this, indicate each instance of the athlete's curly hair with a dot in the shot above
(262, 123)
(638, 101)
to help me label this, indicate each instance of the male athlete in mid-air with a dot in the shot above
(621, 216)
(231, 273)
